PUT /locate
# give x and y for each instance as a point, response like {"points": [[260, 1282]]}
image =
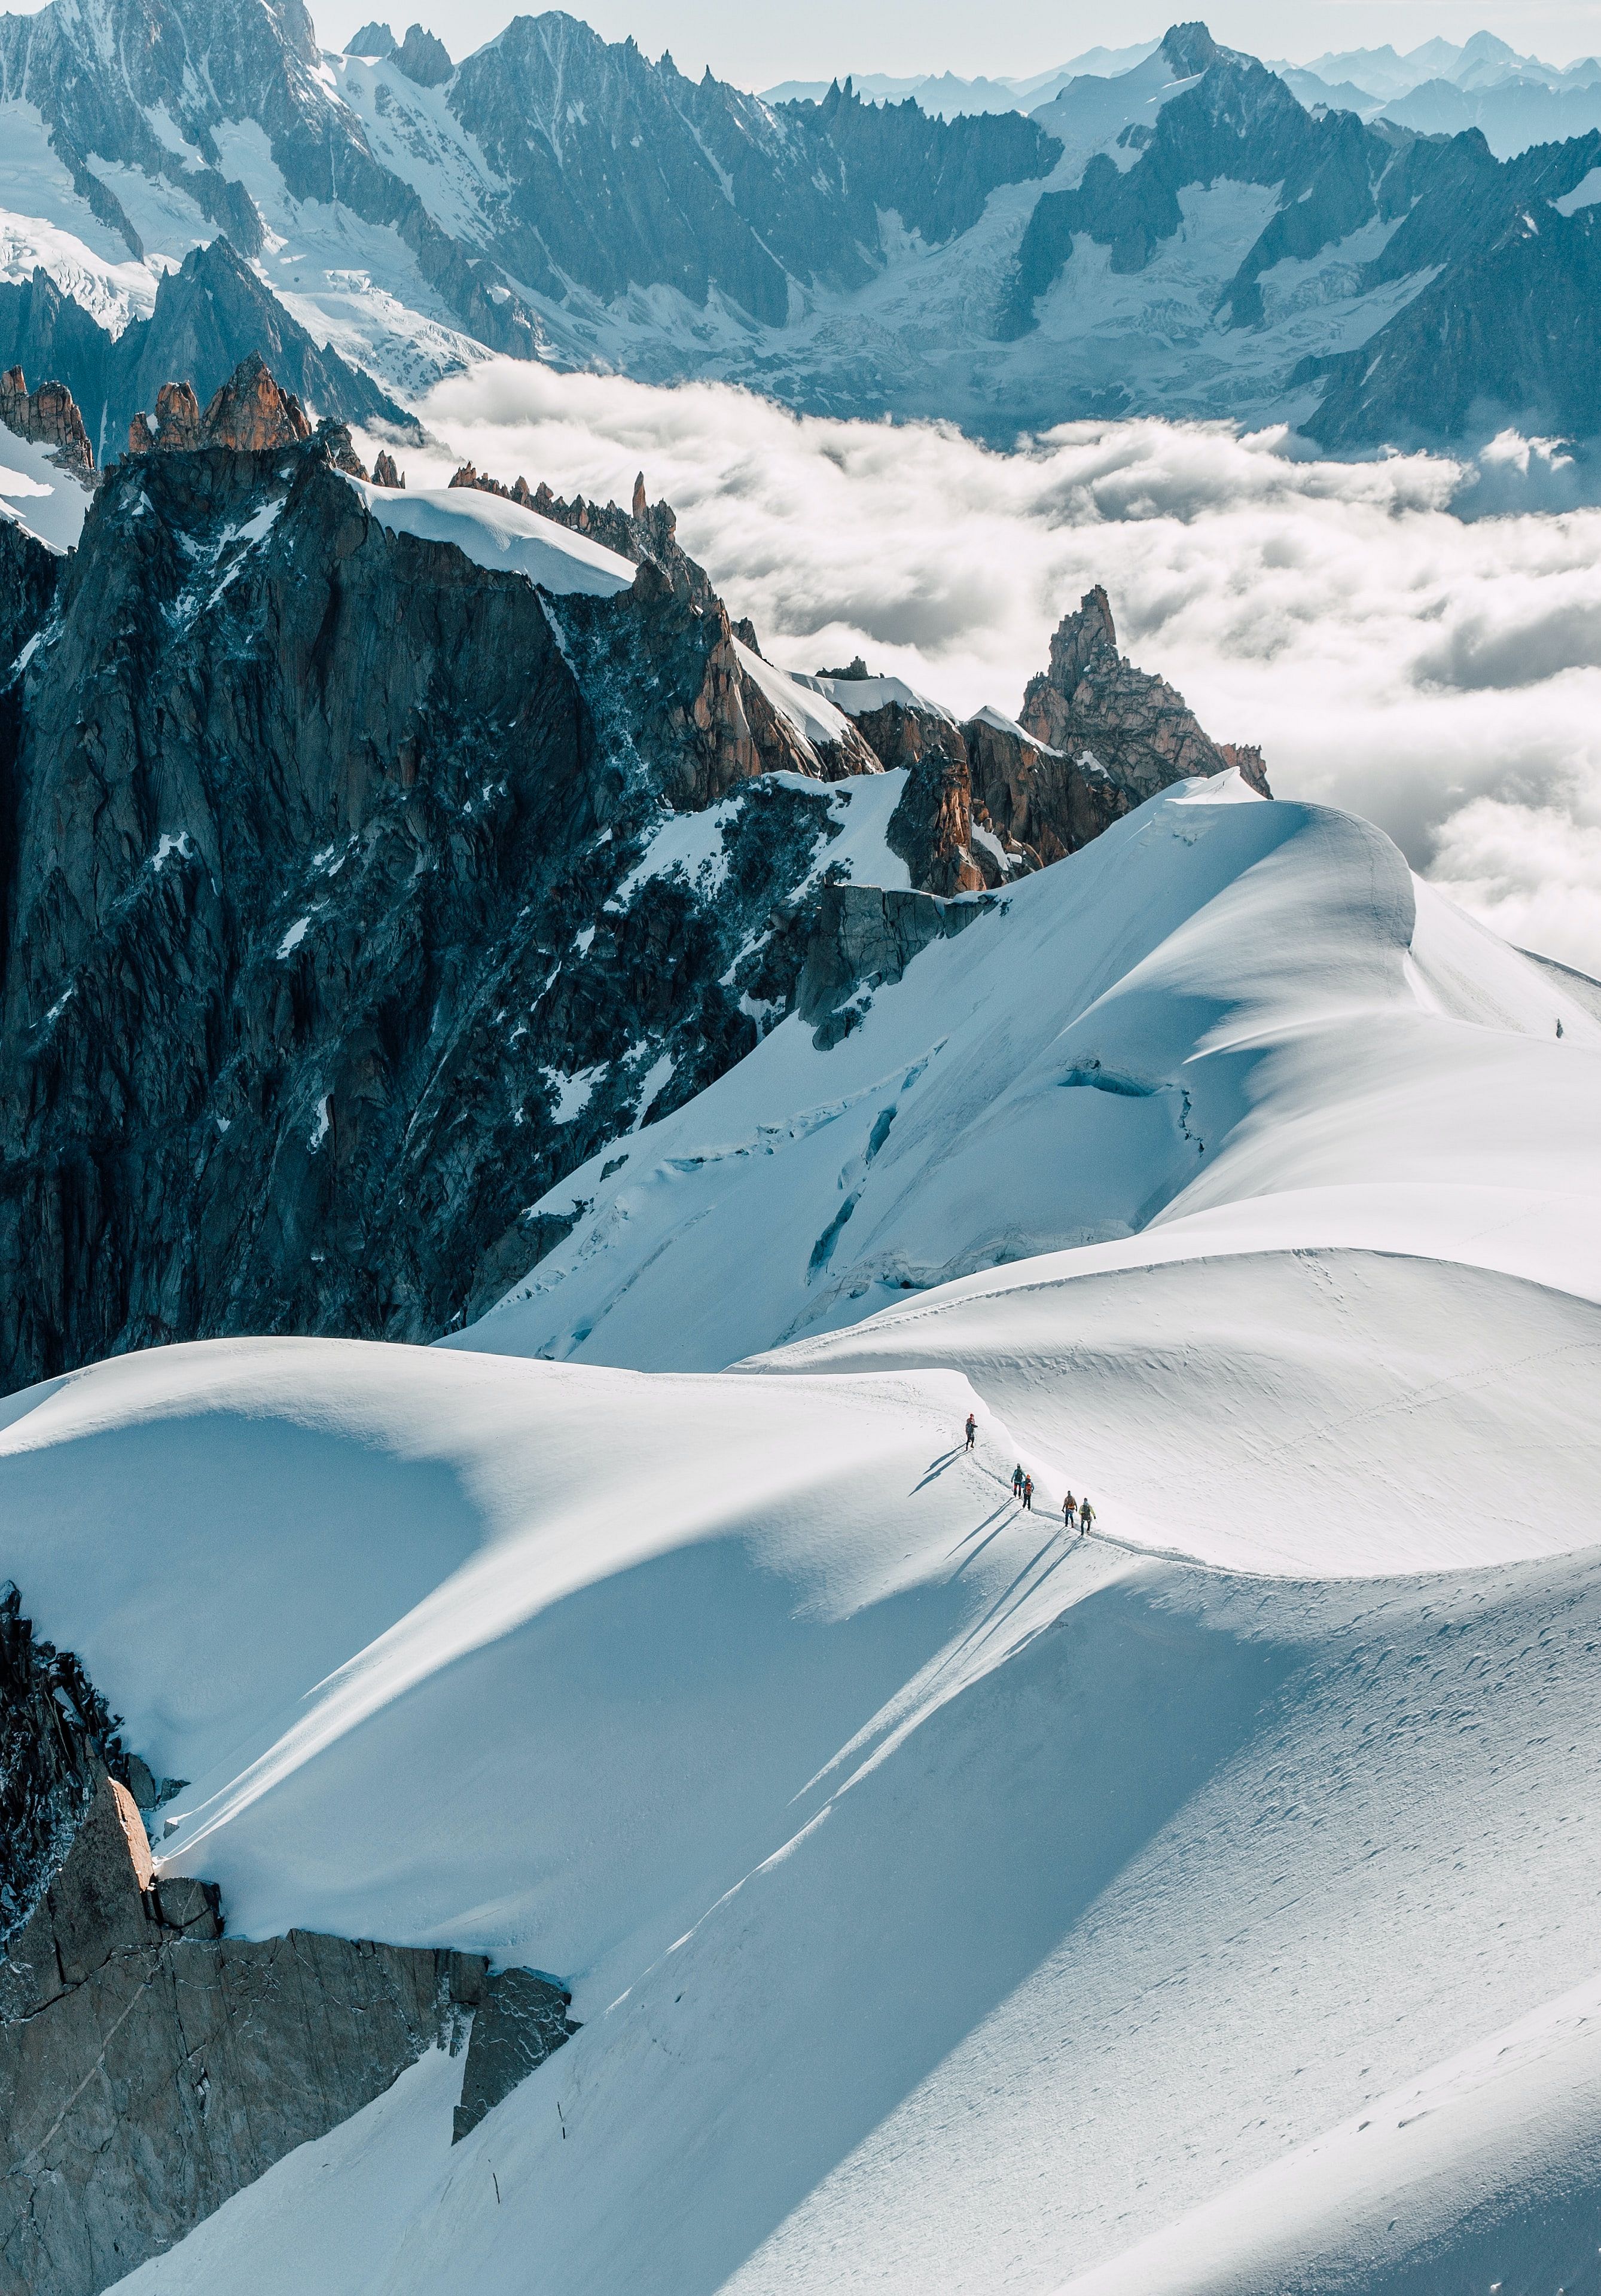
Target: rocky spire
{"points": [[1080, 637], [175, 425], [423, 58], [640, 505], [49, 417], [1093, 705], [250, 413]]}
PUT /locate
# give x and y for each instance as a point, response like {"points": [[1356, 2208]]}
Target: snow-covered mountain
{"points": [[948, 94], [972, 1661], [1209, 1895], [1476, 64], [420, 840], [1182, 237]]}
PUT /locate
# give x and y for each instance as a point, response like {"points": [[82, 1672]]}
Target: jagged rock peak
{"points": [[248, 412], [1095, 707], [373, 40], [423, 58], [385, 473], [1080, 636], [333, 439], [49, 417], [1190, 48], [648, 533]]}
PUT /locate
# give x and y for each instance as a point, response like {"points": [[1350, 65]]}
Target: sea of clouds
{"points": [[1416, 638]]}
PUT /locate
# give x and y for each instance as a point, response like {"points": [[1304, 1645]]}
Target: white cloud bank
{"points": [[1437, 670]]}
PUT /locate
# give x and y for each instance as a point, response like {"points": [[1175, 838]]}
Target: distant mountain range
{"points": [[183, 182], [1438, 89]]}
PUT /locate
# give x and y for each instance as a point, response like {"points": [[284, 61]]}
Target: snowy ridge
{"points": [[1246, 1030], [501, 536], [1229, 1178], [857, 697], [801, 701]]}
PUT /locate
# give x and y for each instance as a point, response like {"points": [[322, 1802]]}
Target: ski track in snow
{"points": [[948, 1901]]}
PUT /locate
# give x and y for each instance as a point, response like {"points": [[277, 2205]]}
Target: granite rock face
{"points": [[519, 2020], [323, 953], [248, 414], [1111, 725], [151, 2066], [49, 417], [28, 572], [863, 937], [57, 1739]]}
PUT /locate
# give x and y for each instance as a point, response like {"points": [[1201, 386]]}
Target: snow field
{"points": [[1225, 1026], [1052, 1893], [948, 1903]]}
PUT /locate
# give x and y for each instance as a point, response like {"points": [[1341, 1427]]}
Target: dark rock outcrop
{"points": [[862, 937], [520, 2020], [57, 1739], [1101, 716], [151, 2066], [28, 572], [322, 956], [49, 417]]}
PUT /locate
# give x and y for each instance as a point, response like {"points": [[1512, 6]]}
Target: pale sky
{"points": [[756, 44]]}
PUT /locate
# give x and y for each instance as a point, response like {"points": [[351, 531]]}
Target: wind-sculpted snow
{"points": [[900, 1845], [1227, 1025], [502, 537], [735, 1701]]}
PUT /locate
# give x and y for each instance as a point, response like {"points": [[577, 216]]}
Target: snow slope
{"points": [[39, 493], [1227, 1026], [1051, 1894], [803, 701], [949, 1903]]}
